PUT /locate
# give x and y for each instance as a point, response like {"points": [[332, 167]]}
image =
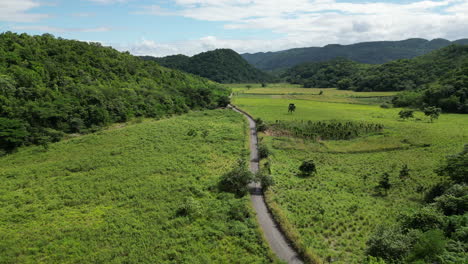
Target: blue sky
{"points": [[163, 27]]}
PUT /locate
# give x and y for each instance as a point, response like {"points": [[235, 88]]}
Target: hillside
{"points": [[436, 79], [323, 74], [136, 193], [51, 86], [221, 65], [367, 52]]}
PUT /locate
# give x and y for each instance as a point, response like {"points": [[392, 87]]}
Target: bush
{"points": [[237, 180], [261, 126], [424, 219], [308, 168], [389, 243], [428, 246], [432, 112], [456, 167], [405, 114], [265, 179], [454, 201], [385, 106], [263, 151]]}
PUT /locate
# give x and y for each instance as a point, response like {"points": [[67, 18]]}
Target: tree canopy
{"points": [[50, 86]]}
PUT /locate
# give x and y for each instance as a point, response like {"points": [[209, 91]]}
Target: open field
{"points": [[295, 92], [140, 193], [334, 212]]}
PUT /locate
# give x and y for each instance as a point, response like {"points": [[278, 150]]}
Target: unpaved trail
{"points": [[271, 230]]}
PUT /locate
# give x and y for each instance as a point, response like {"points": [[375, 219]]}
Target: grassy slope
{"points": [[336, 211], [113, 197]]}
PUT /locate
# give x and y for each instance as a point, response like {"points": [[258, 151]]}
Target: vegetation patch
{"points": [[325, 130]]}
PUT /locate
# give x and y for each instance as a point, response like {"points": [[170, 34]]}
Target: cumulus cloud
{"points": [[314, 23], [61, 30], [18, 11]]}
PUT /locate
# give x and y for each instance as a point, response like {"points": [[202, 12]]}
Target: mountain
{"points": [[221, 65], [439, 78], [51, 86], [366, 52], [324, 74]]}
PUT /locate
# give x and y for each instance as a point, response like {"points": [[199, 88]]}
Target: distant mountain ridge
{"points": [[377, 52], [221, 65]]}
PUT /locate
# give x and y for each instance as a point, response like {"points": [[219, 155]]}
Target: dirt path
{"points": [[273, 234]]}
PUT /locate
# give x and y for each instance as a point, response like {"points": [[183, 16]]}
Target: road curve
{"points": [[271, 230]]}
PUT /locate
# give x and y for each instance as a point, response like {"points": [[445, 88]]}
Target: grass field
{"points": [[295, 92], [334, 212], [140, 193]]}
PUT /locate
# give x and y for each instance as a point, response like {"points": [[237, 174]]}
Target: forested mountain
{"points": [[323, 74], [50, 86], [367, 52], [221, 65]]}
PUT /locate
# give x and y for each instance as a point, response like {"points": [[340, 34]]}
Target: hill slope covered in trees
{"points": [[51, 86], [221, 65], [366, 52]]}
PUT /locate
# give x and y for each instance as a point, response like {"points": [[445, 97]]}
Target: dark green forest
{"points": [[221, 65], [439, 78], [376, 52], [51, 86], [323, 74]]}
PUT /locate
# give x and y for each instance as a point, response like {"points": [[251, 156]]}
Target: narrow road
{"points": [[273, 234]]}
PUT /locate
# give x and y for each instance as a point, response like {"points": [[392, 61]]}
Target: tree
{"points": [[384, 183], [432, 112], [291, 108], [389, 243], [456, 167], [261, 126], [263, 151], [237, 180], [404, 172], [264, 85], [307, 168], [265, 179], [13, 133], [405, 114]]}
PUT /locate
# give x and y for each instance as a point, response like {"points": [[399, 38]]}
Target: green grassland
{"points": [[136, 193], [334, 212], [292, 91]]}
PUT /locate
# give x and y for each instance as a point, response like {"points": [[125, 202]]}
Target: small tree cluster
{"points": [[307, 168], [237, 180], [406, 114]]}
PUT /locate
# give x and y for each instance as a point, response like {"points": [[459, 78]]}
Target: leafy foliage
{"points": [[53, 84], [308, 168], [323, 74], [237, 180], [326, 130], [221, 65]]}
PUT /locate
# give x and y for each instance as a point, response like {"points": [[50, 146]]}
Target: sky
{"points": [[165, 27]]}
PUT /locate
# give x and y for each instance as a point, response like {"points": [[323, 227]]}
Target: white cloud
{"points": [[17, 11], [108, 1], [61, 30], [314, 23]]}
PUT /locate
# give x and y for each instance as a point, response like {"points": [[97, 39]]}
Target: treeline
{"points": [[435, 79], [50, 86], [221, 65], [436, 233], [323, 74]]}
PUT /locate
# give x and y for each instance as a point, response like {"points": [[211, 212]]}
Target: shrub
{"points": [[404, 172], [261, 126], [428, 246], [454, 201], [389, 243], [264, 85], [405, 114], [424, 219], [456, 167], [432, 112], [265, 179], [192, 133], [385, 106], [384, 183], [308, 168], [237, 180], [263, 151]]}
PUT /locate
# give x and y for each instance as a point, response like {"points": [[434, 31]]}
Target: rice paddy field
{"points": [[135, 193], [334, 212]]}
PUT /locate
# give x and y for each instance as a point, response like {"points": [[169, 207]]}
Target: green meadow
{"points": [[141, 192], [333, 213]]}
